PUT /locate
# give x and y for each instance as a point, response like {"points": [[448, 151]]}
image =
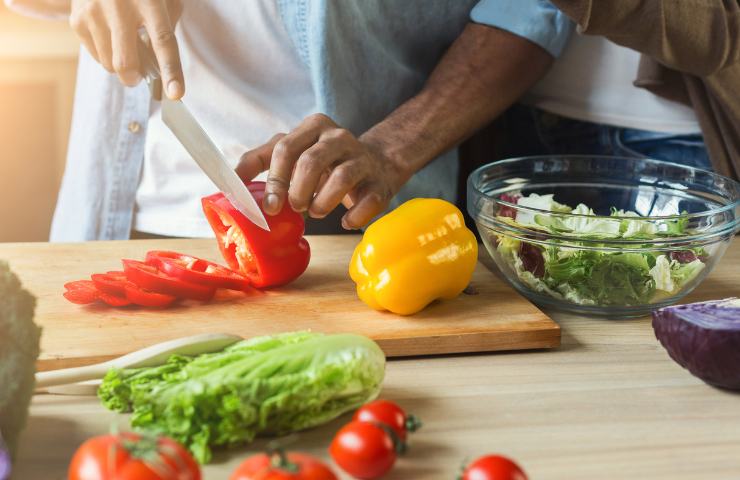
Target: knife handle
{"points": [[148, 66]]}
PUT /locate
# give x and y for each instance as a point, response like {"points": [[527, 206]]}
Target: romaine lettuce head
{"points": [[266, 385]]}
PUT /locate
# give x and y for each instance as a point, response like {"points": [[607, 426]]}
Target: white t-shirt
{"points": [[244, 82], [592, 81]]}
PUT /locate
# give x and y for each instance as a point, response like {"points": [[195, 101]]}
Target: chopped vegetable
{"points": [[570, 270], [282, 466], [196, 270], [493, 467], [267, 259], [129, 456], [265, 385], [703, 337], [152, 279], [420, 252], [19, 349], [365, 450]]}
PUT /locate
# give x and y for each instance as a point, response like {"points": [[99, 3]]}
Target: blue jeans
{"points": [[535, 132]]}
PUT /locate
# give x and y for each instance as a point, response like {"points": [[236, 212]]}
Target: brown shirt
{"points": [[691, 53]]}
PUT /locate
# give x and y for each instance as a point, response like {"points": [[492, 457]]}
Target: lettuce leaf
{"points": [[265, 385], [601, 277]]}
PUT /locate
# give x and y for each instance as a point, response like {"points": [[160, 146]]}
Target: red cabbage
{"points": [[4, 460], [704, 338]]}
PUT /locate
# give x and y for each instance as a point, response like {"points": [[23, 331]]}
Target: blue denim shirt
{"points": [[365, 58]]}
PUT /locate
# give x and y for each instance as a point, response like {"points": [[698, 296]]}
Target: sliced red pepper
{"points": [[112, 283], [267, 259], [81, 292], [151, 278], [85, 292], [141, 297], [196, 270], [113, 300]]}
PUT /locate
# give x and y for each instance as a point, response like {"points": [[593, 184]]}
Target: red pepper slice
{"points": [[81, 292], [196, 270], [85, 292], [141, 297], [112, 283], [267, 259], [150, 278]]}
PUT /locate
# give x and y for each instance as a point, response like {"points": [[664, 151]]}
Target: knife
{"points": [[199, 145]]}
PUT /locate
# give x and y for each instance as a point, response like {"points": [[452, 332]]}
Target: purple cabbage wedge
{"points": [[4, 460], [704, 338]]}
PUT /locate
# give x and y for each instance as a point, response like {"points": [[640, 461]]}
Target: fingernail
{"points": [[271, 203], [346, 225], [174, 89]]}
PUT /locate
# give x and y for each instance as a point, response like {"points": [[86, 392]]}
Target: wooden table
{"points": [[608, 404]]}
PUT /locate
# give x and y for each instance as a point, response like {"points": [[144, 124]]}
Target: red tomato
{"points": [[141, 297], [128, 456], [81, 292], [364, 450], [279, 466], [390, 414], [267, 259], [196, 270], [150, 278], [493, 467]]}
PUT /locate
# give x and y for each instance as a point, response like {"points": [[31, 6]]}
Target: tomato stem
{"points": [[398, 445], [279, 459], [413, 423]]}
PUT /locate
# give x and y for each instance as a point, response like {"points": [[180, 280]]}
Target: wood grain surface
{"points": [[609, 404], [323, 299]]}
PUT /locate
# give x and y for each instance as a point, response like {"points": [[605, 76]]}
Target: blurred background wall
{"points": [[38, 61]]}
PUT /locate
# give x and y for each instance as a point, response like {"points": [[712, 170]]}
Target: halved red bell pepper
{"points": [[196, 270], [267, 259]]}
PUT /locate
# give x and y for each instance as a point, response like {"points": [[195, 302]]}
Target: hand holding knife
{"points": [[198, 144]]}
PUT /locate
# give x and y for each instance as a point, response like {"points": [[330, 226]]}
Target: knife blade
{"points": [[196, 141], [210, 159]]}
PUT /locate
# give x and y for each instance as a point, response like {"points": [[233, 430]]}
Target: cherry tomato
{"points": [[150, 278], [388, 413], [196, 270], [493, 467], [364, 450], [128, 456], [280, 466]]}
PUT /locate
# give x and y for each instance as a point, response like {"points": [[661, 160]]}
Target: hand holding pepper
{"points": [[319, 165]]}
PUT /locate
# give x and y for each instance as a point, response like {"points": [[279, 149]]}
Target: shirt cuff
{"points": [[538, 21]]}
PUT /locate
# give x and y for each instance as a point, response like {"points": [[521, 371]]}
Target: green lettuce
{"points": [[266, 385], [590, 276]]}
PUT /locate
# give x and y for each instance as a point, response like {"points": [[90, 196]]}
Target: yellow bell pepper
{"points": [[419, 252]]}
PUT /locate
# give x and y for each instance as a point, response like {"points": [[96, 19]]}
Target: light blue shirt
{"points": [[365, 58]]}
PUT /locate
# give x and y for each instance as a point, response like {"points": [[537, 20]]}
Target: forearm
{"points": [[483, 73], [40, 8]]}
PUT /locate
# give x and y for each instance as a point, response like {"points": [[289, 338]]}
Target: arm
{"points": [[51, 9], [698, 37], [483, 72]]}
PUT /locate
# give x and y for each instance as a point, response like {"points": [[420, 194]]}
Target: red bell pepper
{"points": [[267, 259]]}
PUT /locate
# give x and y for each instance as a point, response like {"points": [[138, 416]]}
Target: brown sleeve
{"points": [[699, 37]]}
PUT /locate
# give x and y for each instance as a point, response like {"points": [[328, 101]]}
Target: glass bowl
{"points": [[602, 235]]}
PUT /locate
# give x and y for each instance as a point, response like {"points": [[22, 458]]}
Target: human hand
{"points": [[109, 30], [319, 165]]}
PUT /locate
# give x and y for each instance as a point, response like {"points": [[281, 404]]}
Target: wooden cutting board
{"points": [[323, 299]]}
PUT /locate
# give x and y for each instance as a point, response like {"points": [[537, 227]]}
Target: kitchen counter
{"points": [[608, 404]]}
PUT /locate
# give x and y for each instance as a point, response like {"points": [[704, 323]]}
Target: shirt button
{"points": [[134, 127]]}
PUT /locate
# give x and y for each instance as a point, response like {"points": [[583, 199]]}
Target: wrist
{"points": [[400, 151]]}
